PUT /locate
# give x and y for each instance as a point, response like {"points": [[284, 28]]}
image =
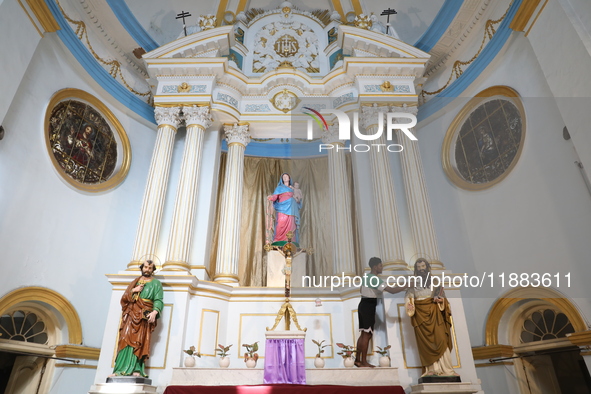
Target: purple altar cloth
{"points": [[285, 361]]}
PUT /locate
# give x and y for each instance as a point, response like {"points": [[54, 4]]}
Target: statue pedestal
{"points": [[122, 388], [276, 263], [445, 388], [182, 376]]}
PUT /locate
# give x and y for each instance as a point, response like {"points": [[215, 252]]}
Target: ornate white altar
{"points": [[242, 81]]}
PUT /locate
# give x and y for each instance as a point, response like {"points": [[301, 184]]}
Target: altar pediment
{"points": [[366, 43], [208, 43], [271, 63]]}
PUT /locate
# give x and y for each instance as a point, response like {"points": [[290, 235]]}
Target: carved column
{"points": [[146, 239], [197, 120], [226, 270], [419, 208], [388, 225], [340, 204]]}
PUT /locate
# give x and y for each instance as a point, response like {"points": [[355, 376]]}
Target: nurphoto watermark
{"points": [[345, 129]]}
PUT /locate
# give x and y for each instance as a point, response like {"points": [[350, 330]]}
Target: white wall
{"points": [[18, 40], [50, 234], [536, 220], [561, 42]]}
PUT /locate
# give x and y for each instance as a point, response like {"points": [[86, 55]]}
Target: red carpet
{"points": [[283, 389]]}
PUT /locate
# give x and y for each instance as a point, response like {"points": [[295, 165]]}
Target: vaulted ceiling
{"points": [[157, 17]]}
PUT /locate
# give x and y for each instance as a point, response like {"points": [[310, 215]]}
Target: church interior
{"points": [[260, 153]]}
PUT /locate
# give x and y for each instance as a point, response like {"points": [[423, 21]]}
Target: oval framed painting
{"points": [[483, 143], [86, 143]]}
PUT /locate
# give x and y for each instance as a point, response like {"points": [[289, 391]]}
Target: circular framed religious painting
{"points": [[86, 143], [485, 140]]}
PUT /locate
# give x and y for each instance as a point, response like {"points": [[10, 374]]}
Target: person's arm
{"points": [[394, 289]]}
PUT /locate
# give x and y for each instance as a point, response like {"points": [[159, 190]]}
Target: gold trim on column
{"points": [[448, 146], [43, 15], [545, 294], [50, 297], [186, 266], [125, 151], [338, 7], [523, 15], [397, 264], [200, 126], [536, 18], [167, 125], [219, 16], [31, 19], [357, 7], [71, 351], [241, 6], [494, 351], [228, 276]]}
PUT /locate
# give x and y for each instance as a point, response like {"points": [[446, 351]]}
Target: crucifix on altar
{"points": [[284, 354], [289, 251]]}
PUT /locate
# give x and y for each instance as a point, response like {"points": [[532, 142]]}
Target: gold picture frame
{"points": [[120, 168], [452, 134]]}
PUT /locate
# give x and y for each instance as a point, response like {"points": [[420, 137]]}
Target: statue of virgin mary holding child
{"points": [[287, 202]]}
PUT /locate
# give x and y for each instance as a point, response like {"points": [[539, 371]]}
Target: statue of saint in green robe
{"points": [[142, 305]]}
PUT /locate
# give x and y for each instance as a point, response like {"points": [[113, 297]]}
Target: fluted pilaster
{"points": [[419, 208], [197, 120], [146, 240], [340, 204], [226, 270], [388, 224]]}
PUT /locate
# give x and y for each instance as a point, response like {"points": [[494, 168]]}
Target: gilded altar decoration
{"points": [[387, 87], [286, 46], [86, 142], [207, 22], [183, 88], [285, 100], [286, 43], [363, 21]]}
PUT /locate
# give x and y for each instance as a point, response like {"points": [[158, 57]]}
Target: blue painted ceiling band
{"points": [[489, 52], [438, 27], [131, 24], [426, 42], [95, 70]]}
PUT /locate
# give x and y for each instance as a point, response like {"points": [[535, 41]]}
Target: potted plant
{"points": [[385, 359], [347, 352], [190, 359], [223, 353], [319, 361], [251, 357]]}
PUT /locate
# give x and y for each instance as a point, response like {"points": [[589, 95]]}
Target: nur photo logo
{"points": [[344, 124]]}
